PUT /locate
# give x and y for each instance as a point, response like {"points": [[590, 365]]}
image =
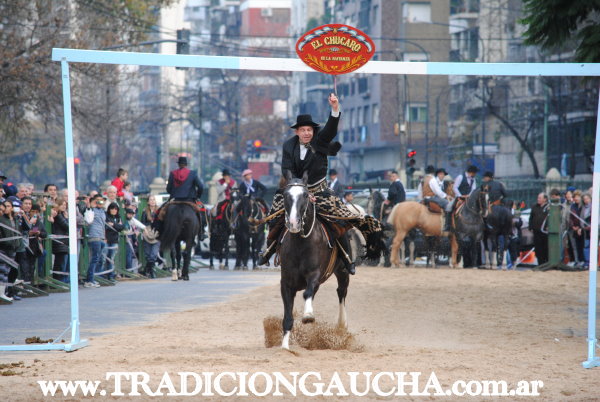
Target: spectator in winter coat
{"points": [[114, 226], [96, 219], [537, 223], [60, 241]]}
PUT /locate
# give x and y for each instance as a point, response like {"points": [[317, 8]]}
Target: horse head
{"points": [[295, 202], [483, 202]]}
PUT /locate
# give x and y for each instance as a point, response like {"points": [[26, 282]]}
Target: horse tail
{"points": [[173, 221]]}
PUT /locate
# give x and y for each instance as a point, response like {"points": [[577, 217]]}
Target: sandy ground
{"points": [[461, 324]]}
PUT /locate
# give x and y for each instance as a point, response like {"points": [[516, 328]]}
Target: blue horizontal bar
{"points": [[235, 62], [69, 347], [515, 69], [144, 59]]}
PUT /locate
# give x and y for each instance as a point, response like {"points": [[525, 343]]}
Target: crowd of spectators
{"points": [[575, 223], [26, 214]]}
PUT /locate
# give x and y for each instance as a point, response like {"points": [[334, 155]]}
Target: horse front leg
{"points": [[287, 295], [187, 257], [342, 290], [501, 251], [312, 286]]}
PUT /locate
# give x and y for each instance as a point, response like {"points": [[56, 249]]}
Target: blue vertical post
{"points": [[593, 360], [76, 342]]}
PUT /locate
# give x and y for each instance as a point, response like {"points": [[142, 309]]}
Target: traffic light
{"points": [[410, 167], [410, 153], [183, 41], [257, 144], [249, 148]]}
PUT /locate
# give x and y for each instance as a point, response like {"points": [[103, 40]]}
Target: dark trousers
{"points": [[61, 264], [540, 242], [26, 263]]}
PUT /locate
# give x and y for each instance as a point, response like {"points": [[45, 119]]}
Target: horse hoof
{"points": [[185, 277], [307, 319]]}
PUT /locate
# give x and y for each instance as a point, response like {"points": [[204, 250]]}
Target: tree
{"points": [[30, 84], [563, 24]]}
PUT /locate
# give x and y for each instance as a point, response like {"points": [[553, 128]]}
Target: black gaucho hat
{"points": [[182, 160], [304, 120]]}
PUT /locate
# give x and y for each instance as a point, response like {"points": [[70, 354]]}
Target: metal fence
{"points": [[528, 189]]}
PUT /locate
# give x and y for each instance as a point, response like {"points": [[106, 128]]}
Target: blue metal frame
{"points": [[281, 64]]}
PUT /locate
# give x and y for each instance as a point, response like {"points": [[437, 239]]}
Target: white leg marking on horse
{"points": [[308, 311], [342, 319], [493, 261], [285, 344], [174, 275]]}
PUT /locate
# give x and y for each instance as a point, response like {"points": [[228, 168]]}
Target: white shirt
{"points": [[333, 183], [304, 150], [436, 186]]}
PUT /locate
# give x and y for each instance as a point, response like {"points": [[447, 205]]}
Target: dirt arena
{"points": [[461, 324]]}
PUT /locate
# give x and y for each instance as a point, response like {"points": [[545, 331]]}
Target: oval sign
{"points": [[335, 49]]}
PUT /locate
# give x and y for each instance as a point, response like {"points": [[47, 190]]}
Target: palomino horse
{"points": [[307, 257], [181, 224], [468, 224]]}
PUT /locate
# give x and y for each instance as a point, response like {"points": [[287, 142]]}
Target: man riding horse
{"points": [[184, 186], [307, 152], [433, 190], [494, 188]]}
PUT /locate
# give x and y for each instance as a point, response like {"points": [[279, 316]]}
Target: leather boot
{"points": [[272, 238], [447, 221], [264, 257], [345, 249]]}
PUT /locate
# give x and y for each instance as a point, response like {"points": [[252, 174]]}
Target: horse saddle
{"points": [[198, 207], [432, 206]]}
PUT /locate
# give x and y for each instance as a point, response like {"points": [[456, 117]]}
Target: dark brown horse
{"points": [[307, 257]]}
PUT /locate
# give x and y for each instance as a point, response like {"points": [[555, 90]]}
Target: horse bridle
{"points": [[304, 236]]}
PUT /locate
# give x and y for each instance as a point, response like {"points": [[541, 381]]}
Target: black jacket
{"points": [[396, 193], [190, 190], [315, 162], [10, 246], [537, 218], [60, 227], [112, 232], [259, 189]]}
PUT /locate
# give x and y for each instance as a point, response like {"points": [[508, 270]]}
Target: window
{"points": [[367, 114], [359, 116], [416, 112], [375, 113], [416, 12]]}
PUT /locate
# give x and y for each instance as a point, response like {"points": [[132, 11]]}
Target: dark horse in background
{"points": [[220, 230], [176, 253], [377, 209], [498, 229], [249, 239], [181, 223], [307, 260], [468, 225]]}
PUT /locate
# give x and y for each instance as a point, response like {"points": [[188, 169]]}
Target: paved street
{"points": [[127, 303]]}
